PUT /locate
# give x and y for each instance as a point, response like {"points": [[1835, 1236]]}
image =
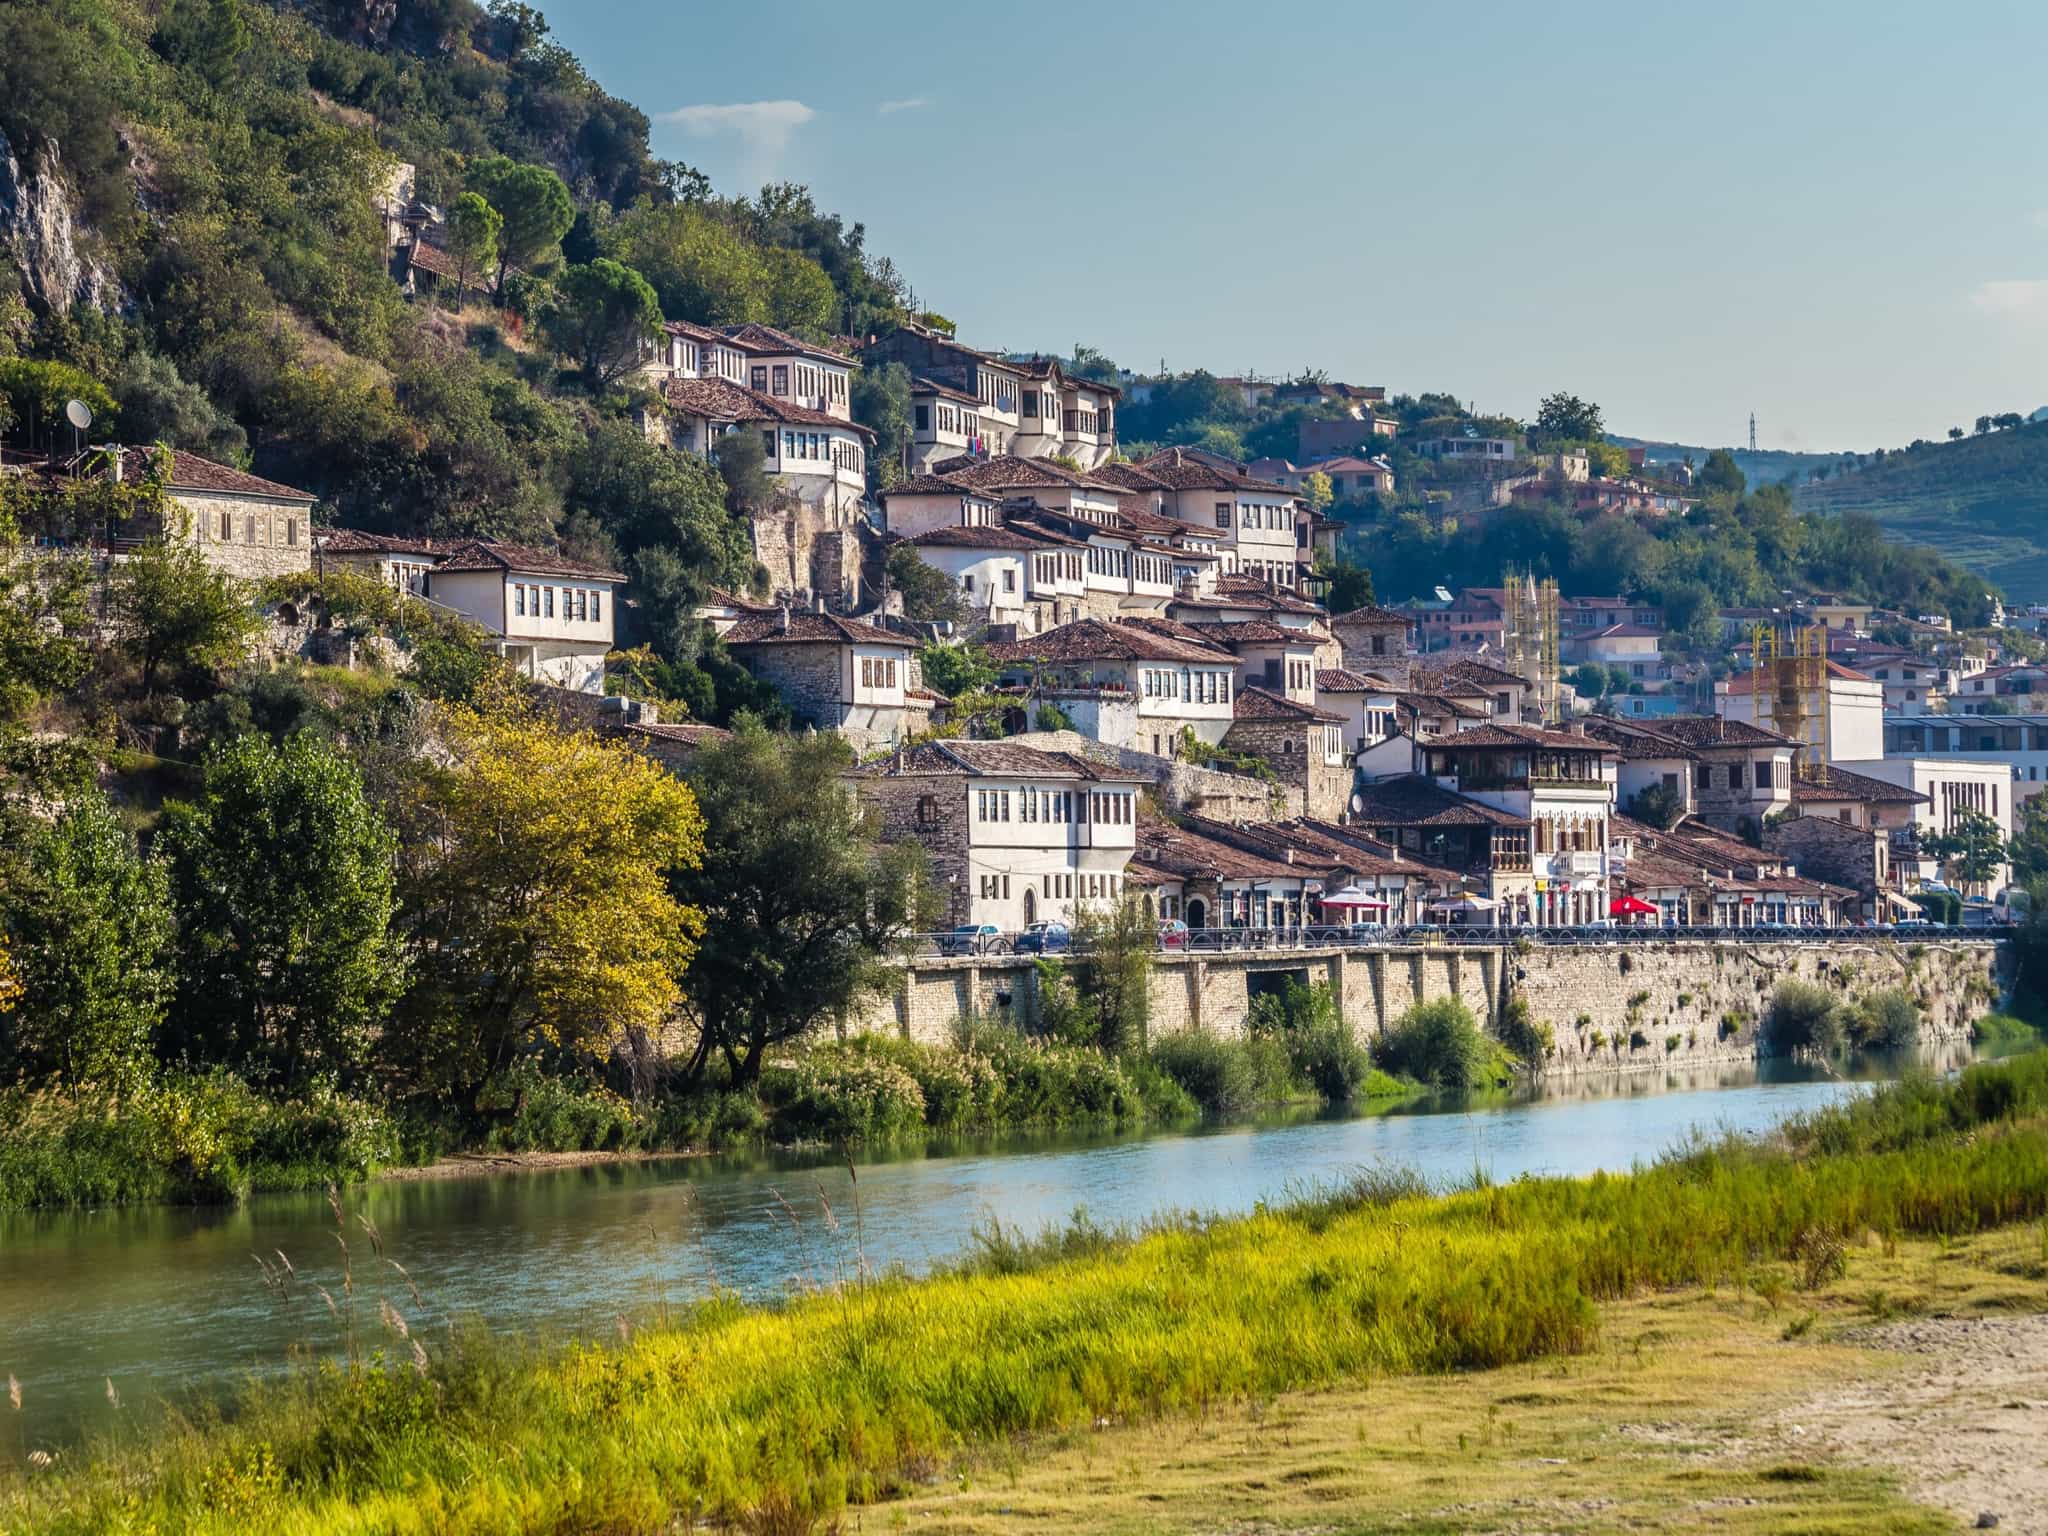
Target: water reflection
{"points": [[170, 1301]]}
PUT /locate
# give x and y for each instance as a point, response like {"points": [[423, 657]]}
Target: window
{"points": [[291, 532], [519, 600], [597, 607], [249, 529], [1009, 580], [758, 378], [889, 673], [1763, 773], [789, 445], [1030, 402], [967, 582], [768, 444], [1702, 777], [928, 811], [227, 527], [582, 606], [548, 600], [1222, 514]]}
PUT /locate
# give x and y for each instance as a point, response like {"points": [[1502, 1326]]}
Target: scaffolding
{"points": [[1790, 671], [1529, 637]]}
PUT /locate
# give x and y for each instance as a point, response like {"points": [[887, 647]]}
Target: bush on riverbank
{"points": [[1883, 1021], [795, 1411], [1441, 1044], [183, 1139], [2003, 1030], [1803, 1016], [1296, 1048]]}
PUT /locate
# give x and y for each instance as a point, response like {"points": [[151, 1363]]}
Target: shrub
{"points": [[539, 1113], [1883, 1021], [1227, 1077], [1730, 1025], [1803, 1016], [1440, 1044], [1672, 1043], [2002, 1029], [1531, 1041], [849, 1092], [1321, 1051]]}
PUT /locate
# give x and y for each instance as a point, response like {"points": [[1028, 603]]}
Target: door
{"points": [[1030, 906], [1198, 913]]}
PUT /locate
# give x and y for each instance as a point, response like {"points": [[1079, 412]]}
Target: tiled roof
{"points": [[1184, 472], [689, 332], [1639, 746], [689, 732], [995, 536], [723, 400], [991, 759], [924, 386], [1337, 680], [1496, 736], [766, 338], [1448, 676], [1130, 476], [355, 541], [933, 485], [1097, 640], [429, 257], [1841, 784], [1002, 470], [1624, 632], [1713, 731], [1255, 632], [189, 472], [1413, 801], [1258, 706], [811, 629], [1746, 682], [1371, 613], [1439, 704], [521, 560], [1189, 855]]}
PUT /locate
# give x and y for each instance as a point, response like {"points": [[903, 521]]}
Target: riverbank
{"points": [[868, 1388]]}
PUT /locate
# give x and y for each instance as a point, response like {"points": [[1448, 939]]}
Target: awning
{"points": [[1630, 906], [1898, 902], [1466, 903]]}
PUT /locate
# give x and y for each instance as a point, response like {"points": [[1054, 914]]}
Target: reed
{"points": [[851, 1392]]}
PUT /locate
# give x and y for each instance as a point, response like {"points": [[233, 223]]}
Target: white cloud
{"points": [[2020, 297], [903, 104], [763, 128]]}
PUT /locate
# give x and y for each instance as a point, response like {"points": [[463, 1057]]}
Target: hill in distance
{"points": [[1982, 501], [1764, 466]]}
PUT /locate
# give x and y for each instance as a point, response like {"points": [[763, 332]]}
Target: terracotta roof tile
{"points": [[992, 759], [1841, 784], [1259, 705], [723, 400], [1413, 801], [190, 472], [811, 629], [766, 338], [1098, 640], [520, 559]]}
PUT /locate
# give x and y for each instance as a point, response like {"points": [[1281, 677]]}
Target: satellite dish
{"points": [[78, 413]]}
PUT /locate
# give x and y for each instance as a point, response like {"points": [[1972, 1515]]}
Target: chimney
{"points": [[817, 602], [782, 620], [115, 465]]}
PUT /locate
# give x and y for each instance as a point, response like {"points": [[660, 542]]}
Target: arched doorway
{"points": [[1198, 913], [1030, 906], [1148, 909]]}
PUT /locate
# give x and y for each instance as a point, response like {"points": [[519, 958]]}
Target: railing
{"points": [[1436, 935]]}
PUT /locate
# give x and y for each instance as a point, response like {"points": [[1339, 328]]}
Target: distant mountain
{"points": [[1982, 501], [1762, 467]]}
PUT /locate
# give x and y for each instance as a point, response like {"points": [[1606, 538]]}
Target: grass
{"points": [[783, 1416]]}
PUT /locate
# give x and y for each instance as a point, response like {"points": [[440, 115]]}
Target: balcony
{"points": [[1574, 866]]}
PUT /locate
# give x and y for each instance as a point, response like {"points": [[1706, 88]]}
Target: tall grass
{"points": [[847, 1396]]}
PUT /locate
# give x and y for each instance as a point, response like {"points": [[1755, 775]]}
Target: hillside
{"points": [[1981, 501], [1762, 466]]}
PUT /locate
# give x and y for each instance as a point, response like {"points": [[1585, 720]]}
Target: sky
{"points": [[1825, 212]]}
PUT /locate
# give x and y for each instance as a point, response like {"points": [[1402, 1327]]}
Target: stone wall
{"points": [[1186, 786], [809, 678], [1610, 1008], [1295, 753], [1823, 849], [1641, 1005]]}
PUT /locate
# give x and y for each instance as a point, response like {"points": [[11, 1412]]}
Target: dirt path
{"points": [[1965, 1425]]}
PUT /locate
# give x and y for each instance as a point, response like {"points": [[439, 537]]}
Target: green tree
{"points": [[956, 669], [474, 228], [2029, 849], [36, 392], [1590, 680], [928, 592], [1350, 586], [1114, 972], [799, 907], [1607, 460], [603, 315], [534, 205], [881, 402], [203, 35], [286, 890], [173, 609], [1657, 805], [1972, 849], [1315, 490], [154, 404], [91, 929], [1565, 418], [1720, 474]]}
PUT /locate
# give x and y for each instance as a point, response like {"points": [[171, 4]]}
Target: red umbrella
{"points": [[1630, 906]]}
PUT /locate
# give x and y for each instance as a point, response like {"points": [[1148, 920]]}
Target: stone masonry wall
{"points": [[1594, 1006], [1187, 786]]}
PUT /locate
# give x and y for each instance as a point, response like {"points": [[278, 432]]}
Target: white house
{"points": [[553, 617], [1952, 787], [1015, 835], [2017, 743], [1066, 415], [835, 674], [993, 569], [1251, 520], [817, 456], [1125, 685]]}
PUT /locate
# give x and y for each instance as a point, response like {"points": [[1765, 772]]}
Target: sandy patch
{"points": [[1964, 1425], [470, 1165]]}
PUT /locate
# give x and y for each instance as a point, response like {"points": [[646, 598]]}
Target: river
{"points": [[169, 1302]]}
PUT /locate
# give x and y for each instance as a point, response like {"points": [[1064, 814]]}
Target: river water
{"points": [[169, 1302]]}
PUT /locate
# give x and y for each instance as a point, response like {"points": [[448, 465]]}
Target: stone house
{"points": [[1302, 743], [1844, 854], [1374, 640], [392, 560], [1729, 773], [836, 674], [1014, 835], [1209, 882]]}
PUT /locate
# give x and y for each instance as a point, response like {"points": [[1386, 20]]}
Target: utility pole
{"points": [[1752, 431]]}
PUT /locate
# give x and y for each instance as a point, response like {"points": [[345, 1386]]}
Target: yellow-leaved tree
{"points": [[10, 984], [537, 890]]}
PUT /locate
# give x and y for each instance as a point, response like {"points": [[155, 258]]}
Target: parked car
{"points": [[1044, 938], [1173, 934], [974, 939]]}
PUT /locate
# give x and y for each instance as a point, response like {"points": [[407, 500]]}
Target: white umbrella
{"points": [[1354, 896]]}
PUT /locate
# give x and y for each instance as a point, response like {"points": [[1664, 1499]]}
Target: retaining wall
{"points": [[1615, 1007]]}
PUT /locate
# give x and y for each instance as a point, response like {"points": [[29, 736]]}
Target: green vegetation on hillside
{"points": [[1981, 500], [860, 1392]]}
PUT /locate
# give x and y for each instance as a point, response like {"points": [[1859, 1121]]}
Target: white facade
{"points": [[1850, 728], [1046, 848], [2016, 743], [554, 628], [1952, 787]]}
